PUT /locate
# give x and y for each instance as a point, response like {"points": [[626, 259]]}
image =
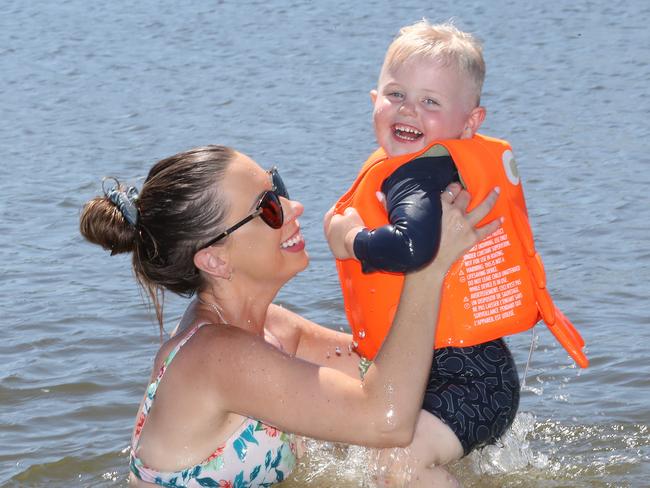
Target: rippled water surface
{"points": [[97, 88]]}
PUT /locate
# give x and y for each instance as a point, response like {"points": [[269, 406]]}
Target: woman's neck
{"points": [[237, 306]]}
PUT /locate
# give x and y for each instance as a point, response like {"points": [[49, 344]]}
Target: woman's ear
{"points": [[213, 262]]}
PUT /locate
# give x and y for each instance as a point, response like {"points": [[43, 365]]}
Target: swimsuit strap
{"points": [[153, 387]]}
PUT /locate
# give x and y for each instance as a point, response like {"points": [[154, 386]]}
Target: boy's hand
{"points": [[340, 231]]}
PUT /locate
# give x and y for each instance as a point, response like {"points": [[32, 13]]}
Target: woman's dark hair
{"points": [[179, 209]]}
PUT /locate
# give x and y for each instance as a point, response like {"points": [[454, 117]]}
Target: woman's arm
{"points": [[257, 380], [312, 342]]}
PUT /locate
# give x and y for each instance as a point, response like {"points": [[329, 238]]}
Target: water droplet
{"points": [[390, 415], [362, 334], [337, 351], [355, 344], [328, 355]]}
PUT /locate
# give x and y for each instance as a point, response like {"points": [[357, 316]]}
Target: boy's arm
{"points": [[411, 238]]}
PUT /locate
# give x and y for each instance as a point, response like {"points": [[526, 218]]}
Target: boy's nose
{"points": [[407, 107]]}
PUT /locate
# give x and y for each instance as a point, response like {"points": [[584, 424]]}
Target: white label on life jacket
{"points": [[510, 166]]}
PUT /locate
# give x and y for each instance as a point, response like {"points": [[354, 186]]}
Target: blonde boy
{"points": [[429, 89]]}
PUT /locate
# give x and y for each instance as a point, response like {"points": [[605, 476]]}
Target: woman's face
{"points": [[256, 250]]}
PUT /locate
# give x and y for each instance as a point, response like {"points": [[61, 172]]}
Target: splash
{"points": [[390, 467], [532, 453], [351, 466], [340, 464], [513, 451]]}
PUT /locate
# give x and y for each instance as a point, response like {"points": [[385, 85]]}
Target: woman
{"points": [[225, 389]]}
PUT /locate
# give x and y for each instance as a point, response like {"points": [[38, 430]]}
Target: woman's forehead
{"points": [[246, 179], [245, 168]]}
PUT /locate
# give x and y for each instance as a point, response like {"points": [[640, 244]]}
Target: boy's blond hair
{"points": [[440, 42]]}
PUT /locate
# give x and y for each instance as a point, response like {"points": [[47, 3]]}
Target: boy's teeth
{"points": [[292, 242], [407, 133], [408, 129]]}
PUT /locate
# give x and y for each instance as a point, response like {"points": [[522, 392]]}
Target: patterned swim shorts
{"points": [[475, 391]]}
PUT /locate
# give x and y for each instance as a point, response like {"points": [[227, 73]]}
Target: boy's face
{"points": [[421, 101]]}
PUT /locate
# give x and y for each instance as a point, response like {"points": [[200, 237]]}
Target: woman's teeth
{"points": [[293, 241], [406, 133]]}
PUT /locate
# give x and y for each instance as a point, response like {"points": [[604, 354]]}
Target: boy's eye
{"points": [[431, 102], [397, 95]]}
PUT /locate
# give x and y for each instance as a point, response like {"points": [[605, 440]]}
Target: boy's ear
{"points": [[211, 262], [474, 122], [373, 96]]}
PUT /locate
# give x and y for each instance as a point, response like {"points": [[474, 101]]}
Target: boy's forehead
{"points": [[436, 75], [420, 64]]}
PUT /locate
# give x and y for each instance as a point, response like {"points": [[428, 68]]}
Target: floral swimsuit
{"points": [[255, 455]]}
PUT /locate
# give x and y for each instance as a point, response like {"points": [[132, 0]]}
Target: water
{"points": [[97, 88]]}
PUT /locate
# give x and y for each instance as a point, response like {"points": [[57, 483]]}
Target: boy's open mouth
{"points": [[406, 133]]}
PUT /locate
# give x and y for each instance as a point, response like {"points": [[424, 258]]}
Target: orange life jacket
{"points": [[497, 288]]}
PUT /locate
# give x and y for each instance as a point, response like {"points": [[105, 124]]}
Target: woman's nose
{"points": [[292, 209]]}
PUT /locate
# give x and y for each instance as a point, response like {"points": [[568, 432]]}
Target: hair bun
{"points": [[104, 224]]}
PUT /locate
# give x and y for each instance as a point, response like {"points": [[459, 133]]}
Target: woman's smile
{"points": [[295, 243]]}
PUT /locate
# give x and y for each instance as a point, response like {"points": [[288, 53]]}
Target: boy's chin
{"points": [[395, 150]]}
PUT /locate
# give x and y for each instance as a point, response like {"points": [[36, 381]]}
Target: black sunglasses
{"points": [[268, 207]]}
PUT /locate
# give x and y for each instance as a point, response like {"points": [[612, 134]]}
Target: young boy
{"points": [[429, 90], [426, 116]]}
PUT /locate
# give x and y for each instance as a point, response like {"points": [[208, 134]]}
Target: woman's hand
{"points": [[459, 231]]}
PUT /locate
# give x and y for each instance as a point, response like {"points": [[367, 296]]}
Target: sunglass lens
{"points": [[272, 210], [278, 184]]}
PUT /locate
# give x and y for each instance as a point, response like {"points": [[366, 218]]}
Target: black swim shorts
{"points": [[475, 391]]}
